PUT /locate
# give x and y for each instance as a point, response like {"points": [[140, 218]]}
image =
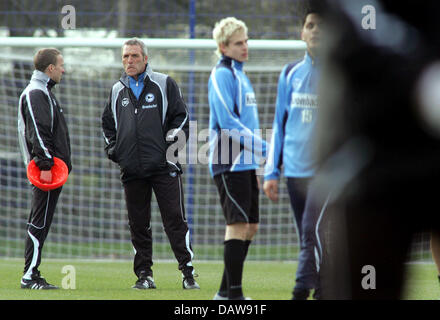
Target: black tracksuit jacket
{"points": [[42, 128], [137, 132]]}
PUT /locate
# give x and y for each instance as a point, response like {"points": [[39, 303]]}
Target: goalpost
{"points": [[91, 220]]}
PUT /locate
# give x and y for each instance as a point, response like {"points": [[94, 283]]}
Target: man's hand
{"points": [[270, 188], [46, 176]]}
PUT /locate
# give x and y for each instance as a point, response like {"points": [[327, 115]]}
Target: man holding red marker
{"points": [[43, 135]]}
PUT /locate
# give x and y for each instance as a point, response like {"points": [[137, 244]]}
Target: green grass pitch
{"points": [[112, 280]]}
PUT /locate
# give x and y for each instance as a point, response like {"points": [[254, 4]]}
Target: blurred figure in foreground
{"points": [[378, 139], [435, 251]]}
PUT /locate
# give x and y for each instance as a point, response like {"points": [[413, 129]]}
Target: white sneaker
{"points": [[217, 296]]}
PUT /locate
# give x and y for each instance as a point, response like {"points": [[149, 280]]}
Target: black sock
{"points": [[234, 255], [223, 291], [247, 243]]}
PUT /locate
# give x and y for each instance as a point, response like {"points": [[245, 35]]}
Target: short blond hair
{"points": [[224, 29]]}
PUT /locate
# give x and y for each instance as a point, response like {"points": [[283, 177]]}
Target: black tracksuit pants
{"points": [[42, 211], [169, 195]]}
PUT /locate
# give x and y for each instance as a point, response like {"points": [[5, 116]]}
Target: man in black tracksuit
{"points": [[43, 134], [144, 116]]}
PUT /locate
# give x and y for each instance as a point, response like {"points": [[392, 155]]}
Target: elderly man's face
{"points": [[133, 60]]}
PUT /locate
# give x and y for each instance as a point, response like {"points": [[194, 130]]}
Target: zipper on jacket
{"points": [[134, 101], [136, 105]]}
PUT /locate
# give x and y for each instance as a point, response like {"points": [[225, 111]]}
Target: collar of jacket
{"points": [[232, 62], [308, 58], [125, 78], [42, 77], [140, 77]]}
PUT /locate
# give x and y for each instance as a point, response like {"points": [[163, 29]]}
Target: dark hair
{"points": [[311, 7], [45, 57]]}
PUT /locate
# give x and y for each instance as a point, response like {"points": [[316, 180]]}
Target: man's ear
{"points": [[49, 68], [222, 47], [146, 59]]}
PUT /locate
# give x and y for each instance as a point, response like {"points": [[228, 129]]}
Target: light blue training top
{"points": [[294, 122], [235, 140]]}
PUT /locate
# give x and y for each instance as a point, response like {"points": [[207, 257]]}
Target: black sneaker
{"points": [[240, 298], [300, 294], [144, 282], [188, 279], [36, 283], [317, 294]]}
